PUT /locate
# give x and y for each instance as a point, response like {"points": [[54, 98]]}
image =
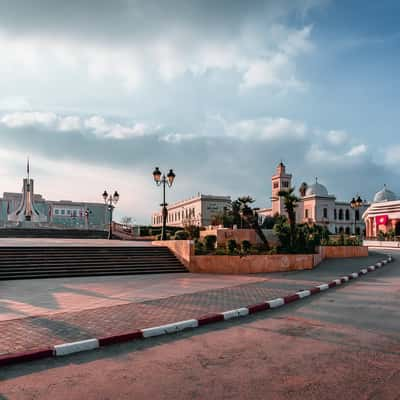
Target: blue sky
{"points": [[98, 93]]}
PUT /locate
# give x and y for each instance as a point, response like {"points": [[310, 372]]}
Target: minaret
{"points": [[280, 181]]}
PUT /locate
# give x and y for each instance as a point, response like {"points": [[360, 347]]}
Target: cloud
{"points": [[337, 137], [357, 150], [129, 51], [96, 125], [268, 129], [392, 155]]}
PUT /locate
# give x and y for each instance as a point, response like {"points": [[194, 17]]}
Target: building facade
{"points": [[316, 206], [199, 210], [383, 215], [27, 209]]}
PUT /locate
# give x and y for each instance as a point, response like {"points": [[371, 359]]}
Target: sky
{"points": [[97, 93]]}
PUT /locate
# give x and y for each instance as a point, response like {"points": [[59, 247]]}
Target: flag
{"points": [[381, 220]]}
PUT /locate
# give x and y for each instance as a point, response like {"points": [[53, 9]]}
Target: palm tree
{"points": [[250, 216], [290, 202]]}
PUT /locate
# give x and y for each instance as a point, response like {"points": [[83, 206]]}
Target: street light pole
{"points": [[110, 201], [161, 179], [355, 204]]}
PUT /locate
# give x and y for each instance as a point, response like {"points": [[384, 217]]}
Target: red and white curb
{"points": [[90, 344]]}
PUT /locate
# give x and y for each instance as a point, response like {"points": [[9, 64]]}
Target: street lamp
{"points": [[110, 201], [161, 179], [355, 204]]}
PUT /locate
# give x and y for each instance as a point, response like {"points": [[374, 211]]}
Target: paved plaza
{"points": [[40, 313], [340, 344]]}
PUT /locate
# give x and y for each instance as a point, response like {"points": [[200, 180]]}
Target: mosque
{"points": [[30, 210], [383, 215], [316, 206]]}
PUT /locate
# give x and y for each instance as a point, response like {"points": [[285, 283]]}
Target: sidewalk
{"points": [[26, 334]]}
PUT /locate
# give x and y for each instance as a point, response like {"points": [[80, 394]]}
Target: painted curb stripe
{"points": [[210, 319], [304, 293], [276, 303], [91, 344], [8, 359], [258, 307], [291, 298], [75, 347], [125, 337], [240, 312]]}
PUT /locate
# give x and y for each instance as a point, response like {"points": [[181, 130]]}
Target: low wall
{"points": [[382, 243], [343, 251], [183, 249], [251, 264]]}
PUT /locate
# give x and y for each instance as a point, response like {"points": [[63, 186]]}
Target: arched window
{"points": [[341, 214], [347, 231], [341, 229], [347, 215], [335, 214], [357, 215]]}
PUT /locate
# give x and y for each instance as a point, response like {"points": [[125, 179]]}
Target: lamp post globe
{"points": [[110, 201]]}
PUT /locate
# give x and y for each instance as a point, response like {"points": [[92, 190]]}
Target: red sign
{"points": [[381, 219]]}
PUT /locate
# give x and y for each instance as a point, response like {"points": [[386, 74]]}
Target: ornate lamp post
{"points": [[355, 204], [161, 179], [110, 201]]}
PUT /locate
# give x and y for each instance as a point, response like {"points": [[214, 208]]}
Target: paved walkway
{"points": [[41, 331]]}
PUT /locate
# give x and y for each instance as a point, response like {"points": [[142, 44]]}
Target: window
{"points": [[357, 215], [341, 214], [347, 231], [276, 185], [62, 212], [325, 213], [306, 213], [335, 213], [285, 184], [57, 211], [347, 215]]}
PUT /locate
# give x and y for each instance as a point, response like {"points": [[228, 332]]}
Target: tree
{"points": [[290, 202], [126, 220], [250, 216]]}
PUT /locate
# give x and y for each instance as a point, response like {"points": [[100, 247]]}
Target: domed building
{"points": [[384, 214], [316, 205]]}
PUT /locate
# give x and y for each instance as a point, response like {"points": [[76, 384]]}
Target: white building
{"points": [[316, 206], [199, 210]]}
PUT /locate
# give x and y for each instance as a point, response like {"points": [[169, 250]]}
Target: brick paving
{"points": [[42, 331]]}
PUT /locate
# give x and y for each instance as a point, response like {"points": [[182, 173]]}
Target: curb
{"points": [[91, 344]]}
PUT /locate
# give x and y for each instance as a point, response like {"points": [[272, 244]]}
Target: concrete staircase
{"points": [[54, 262], [52, 233]]}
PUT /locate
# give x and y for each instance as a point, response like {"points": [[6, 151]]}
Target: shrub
{"points": [[193, 231], [158, 237], [273, 250], [246, 246], [231, 246], [181, 235], [220, 251], [210, 241], [198, 247]]}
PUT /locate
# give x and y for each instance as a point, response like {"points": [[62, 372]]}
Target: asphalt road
{"points": [[344, 343]]}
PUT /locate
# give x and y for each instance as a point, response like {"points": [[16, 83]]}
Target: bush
{"points": [[193, 231], [181, 235], [158, 237], [210, 241], [231, 246], [246, 246], [198, 248], [220, 251]]}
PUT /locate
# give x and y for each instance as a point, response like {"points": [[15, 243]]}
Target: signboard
{"points": [[381, 219]]}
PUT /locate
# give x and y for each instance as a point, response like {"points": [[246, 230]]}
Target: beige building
{"points": [[316, 206], [199, 210]]}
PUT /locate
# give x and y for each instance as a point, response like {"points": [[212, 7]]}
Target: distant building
{"points": [[383, 214], [316, 206], [199, 210], [27, 209]]}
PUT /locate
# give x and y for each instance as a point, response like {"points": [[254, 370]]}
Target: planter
{"points": [[251, 264]]}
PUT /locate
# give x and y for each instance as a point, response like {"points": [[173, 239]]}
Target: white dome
{"points": [[316, 189], [384, 195]]}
